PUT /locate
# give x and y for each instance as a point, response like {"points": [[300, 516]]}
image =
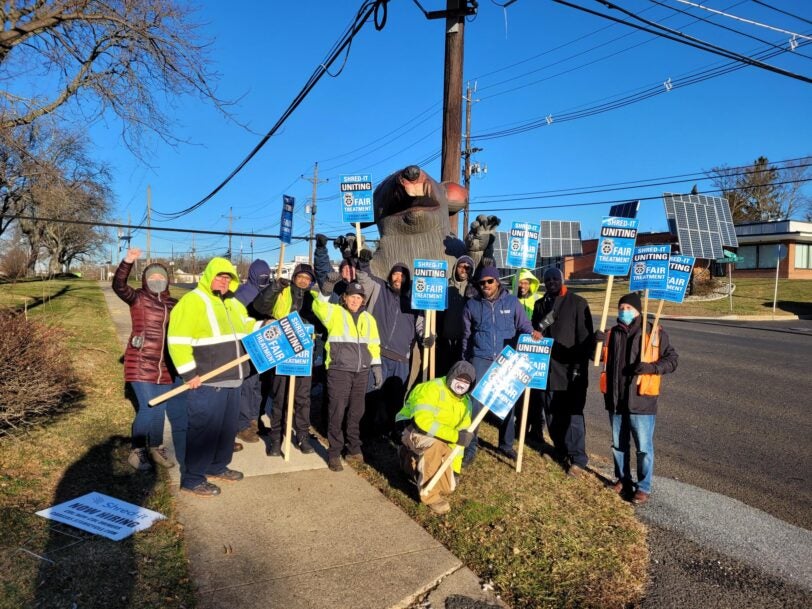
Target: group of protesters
{"points": [[366, 339]]}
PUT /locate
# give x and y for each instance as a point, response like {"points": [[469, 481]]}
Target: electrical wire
{"points": [[794, 16], [742, 19]]}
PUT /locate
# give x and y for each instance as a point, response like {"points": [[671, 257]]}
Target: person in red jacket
{"points": [[147, 367]]}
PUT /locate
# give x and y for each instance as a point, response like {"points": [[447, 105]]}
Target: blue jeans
{"points": [[641, 428], [148, 426]]}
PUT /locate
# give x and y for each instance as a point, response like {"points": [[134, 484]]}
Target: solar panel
{"points": [[696, 224], [726, 228], [560, 238], [625, 210], [500, 249]]}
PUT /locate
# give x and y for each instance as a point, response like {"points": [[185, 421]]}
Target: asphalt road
{"points": [[734, 419], [736, 416]]}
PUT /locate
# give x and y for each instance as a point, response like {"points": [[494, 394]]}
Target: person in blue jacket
{"points": [[492, 320]]}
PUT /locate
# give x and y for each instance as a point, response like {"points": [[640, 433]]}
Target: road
{"points": [[735, 419]]}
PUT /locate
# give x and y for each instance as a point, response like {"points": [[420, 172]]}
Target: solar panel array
{"points": [[560, 238], [500, 249], [695, 220], [625, 210]]}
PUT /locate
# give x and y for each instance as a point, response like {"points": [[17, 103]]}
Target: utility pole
{"points": [[452, 94], [149, 235], [231, 219], [194, 264], [315, 181], [467, 152]]}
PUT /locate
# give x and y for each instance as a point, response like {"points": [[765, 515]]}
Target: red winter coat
{"points": [[146, 358]]}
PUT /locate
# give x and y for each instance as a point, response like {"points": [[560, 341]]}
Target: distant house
{"points": [[758, 246]]}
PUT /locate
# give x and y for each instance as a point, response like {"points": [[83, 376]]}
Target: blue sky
{"points": [[383, 111]]}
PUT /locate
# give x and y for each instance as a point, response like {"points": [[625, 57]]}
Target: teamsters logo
{"points": [[515, 245], [607, 246], [639, 268], [271, 333], [348, 200], [420, 285]]}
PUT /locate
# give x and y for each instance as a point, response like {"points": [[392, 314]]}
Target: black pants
{"points": [[301, 406], [449, 352], [565, 421], [346, 392], [213, 414]]}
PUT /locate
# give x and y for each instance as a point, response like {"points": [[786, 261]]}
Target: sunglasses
{"points": [[487, 281]]}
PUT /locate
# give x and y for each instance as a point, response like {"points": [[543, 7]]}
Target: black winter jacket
{"points": [[623, 350], [573, 335]]}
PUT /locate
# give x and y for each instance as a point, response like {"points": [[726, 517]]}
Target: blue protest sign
{"points": [[538, 352], [616, 246], [679, 276], [286, 223], [649, 268], [356, 198], [300, 364], [523, 245], [430, 286], [277, 341], [504, 382]]}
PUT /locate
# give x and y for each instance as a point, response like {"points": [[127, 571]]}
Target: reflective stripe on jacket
{"points": [[438, 412], [205, 330], [351, 346], [529, 301]]}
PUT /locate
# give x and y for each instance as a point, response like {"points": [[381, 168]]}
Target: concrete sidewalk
{"points": [[296, 535]]}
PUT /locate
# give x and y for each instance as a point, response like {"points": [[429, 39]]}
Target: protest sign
{"points": [[102, 515], [649, 268], [300, 364], [286, 222], [356, 198], [430, 285], [679, 277], [613, 257], [504, 382], [277, 341], [538, 352], [523, 245]]}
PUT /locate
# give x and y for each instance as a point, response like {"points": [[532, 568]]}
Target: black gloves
{"points": [[377, 374], [321, 240], [464, 438], [638, 369], [546, 321], [429, 341], [346, 244], [365, 255], [600, 336]]}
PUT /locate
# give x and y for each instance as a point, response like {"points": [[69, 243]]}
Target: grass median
{"points": [[82, 449]]}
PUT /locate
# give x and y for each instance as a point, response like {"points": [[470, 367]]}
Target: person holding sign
{"points": [[438, 413], [633, 407], [492, 320], [278, 300], [460, 289], [353, 350], [564, 317], [205, 329]]}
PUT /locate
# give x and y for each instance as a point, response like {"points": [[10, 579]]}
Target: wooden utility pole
{"points": [[149, 232], [452, 96], [231, 219], [315, 181]]}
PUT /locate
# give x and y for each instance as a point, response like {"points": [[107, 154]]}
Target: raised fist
{"points": [[133, 254], [321, 240], [481, 235], [365, 255]]}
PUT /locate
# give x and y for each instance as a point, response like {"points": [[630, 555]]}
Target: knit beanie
{"points": [[633, 299], [488, 271]]}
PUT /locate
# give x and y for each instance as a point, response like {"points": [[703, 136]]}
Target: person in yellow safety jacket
{"points": [[204, 333], [438, 413], [353, 350], [528, 290]]}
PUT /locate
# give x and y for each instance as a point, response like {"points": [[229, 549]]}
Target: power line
{"points": [[769, 6], [742, 19]]}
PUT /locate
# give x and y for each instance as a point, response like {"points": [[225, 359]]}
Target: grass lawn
{"points": [[46, 564], [750, 297]]}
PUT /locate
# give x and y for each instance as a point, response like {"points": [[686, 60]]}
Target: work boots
{"points": [[275, 448], [304, 444]]}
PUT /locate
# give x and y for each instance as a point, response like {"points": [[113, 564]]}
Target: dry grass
{"points": [[544, 540], [75, 452]]}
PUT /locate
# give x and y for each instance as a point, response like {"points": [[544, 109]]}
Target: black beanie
{"points": [[632, 298]]}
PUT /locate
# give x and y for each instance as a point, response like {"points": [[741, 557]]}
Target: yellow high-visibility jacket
{"points": [[205, 330], [351, 346], [438, 412]]}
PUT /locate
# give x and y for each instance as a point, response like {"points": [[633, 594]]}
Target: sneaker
{"points": [[440, 507], [204, 489], [305, 446], [275, 448], [229, 475], [138, 460], [248, 434], [159, 456], [356, 459], [509, 453], [334, 463]]}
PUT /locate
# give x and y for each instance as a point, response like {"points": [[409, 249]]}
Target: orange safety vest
{"points": [[647, 384]]}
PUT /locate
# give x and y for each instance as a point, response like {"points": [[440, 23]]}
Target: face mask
{"points": [[157, 285], [264, 281], [459, 386], [626, 316]]}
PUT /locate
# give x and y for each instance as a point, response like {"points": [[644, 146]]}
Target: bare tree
{"points": [[754, 194], [124, 56], [796, 176]]}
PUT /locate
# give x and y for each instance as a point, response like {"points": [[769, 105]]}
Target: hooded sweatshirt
{"points": [[532, 296], [259, 276], [458, 293], [205, 329]]}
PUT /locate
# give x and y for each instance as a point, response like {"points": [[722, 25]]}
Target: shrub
{"points": [[36, 376]]}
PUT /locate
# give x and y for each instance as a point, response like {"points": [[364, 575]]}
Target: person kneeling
{"points": [[438, 413]]}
